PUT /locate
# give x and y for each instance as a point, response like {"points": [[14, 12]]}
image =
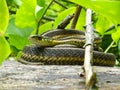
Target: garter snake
{"points": [[49, 48]]}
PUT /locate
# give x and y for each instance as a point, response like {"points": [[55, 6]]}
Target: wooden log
{"points": [[17, 76]]}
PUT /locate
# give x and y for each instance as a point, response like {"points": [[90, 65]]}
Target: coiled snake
{"points": [[62, 47]]}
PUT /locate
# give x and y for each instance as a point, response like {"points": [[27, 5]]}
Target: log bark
{"points": [[17, 76]]}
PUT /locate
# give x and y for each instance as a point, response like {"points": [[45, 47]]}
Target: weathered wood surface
{"points": [[17, 76]]}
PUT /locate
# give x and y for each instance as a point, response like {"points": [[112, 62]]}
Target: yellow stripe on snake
{"points": [[62, 47]]}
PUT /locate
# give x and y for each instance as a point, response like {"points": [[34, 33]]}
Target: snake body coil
{"points": [[63, 55]]}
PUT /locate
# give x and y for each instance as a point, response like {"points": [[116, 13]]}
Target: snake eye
{"points": [[35, 37], [39, 37]]}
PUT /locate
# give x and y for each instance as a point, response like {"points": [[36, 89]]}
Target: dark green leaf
{"points": [[18, 41], [12, 29]]}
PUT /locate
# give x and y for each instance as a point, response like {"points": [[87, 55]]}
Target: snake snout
{"points": [[35, 37]]}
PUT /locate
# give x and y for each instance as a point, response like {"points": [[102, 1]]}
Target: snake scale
{"points": [[62, 47]]}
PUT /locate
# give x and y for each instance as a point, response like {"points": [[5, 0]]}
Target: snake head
{"points": [[35, 39], [40, 40]]}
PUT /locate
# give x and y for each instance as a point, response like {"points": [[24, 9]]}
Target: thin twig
{"points": [[48, 18], [90, 75], [37, 30], [76, 16], [65, 22], [60, 4], [112, 27]]}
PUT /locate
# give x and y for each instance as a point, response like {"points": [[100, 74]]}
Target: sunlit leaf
{"points": [[12, 29], [102, 24], [81, 20], [4, 16], [116, 35], [107, 8], [25, 16], [46, 27], [4, 49], [62, 16]]}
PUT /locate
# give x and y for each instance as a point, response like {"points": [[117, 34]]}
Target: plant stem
{"points": [[109, 47], [39, 22], [76, 16]]}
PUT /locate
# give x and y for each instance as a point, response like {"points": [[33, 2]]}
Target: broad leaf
{"points": [[18, 41], [116, 35], [25, 16], [81, 20], [17, 37], [108, 8], [4, 16], [4, 49], [46, 27], [12, 29], [102, 24]]}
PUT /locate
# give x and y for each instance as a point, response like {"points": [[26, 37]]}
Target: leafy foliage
{"points": [[108, 9], [28, 16], [4, 46]]}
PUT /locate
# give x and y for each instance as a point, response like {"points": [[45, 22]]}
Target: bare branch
{"points": [[39, 22], [76, 16], [65, 22], [90, 75]]}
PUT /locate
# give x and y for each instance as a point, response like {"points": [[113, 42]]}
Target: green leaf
{"points": [[25, 16], [4, 16], [40, 8], [102, 24], [46, 27], [17, 37], [107, 8], [4, 49], [18, 41], [81, 20], [12, 29], [62, 16], [116, 35]]}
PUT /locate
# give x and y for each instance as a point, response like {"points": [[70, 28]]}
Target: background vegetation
{"points": [[21, 18]]}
